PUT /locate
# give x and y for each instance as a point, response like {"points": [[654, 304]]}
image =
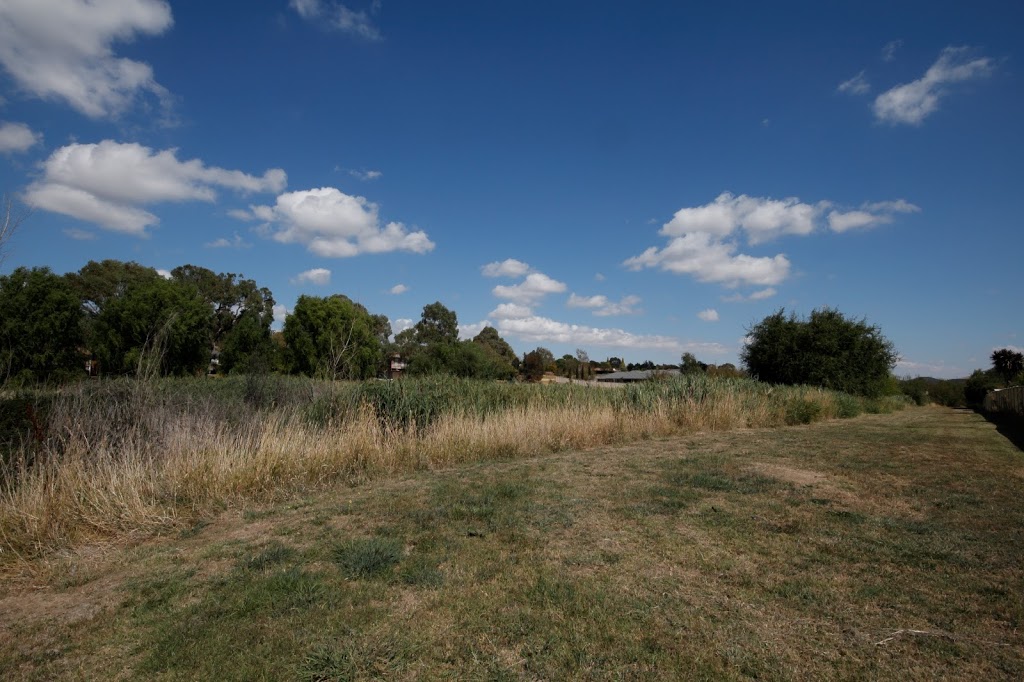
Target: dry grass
{"points": [[128, 460]]}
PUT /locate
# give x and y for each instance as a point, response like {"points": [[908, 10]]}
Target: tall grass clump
{"points": [[124, 457]]}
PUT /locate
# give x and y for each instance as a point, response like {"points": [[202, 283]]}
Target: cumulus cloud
{"points": [[17, 137], [912, 102], [236, 242], [317, 276], [108, 183], [761, 218], [509, 267], [400, 324], [709, 315], [337, 16], [63, 50], [468, 331], [758, 295], [869, 215], [280, 312], [399, 289], [858, 85], [712, 260], [536, 286], [545, 330], [703, 240], [511, 311], [333, 224], [603, 306], [166, 274]]}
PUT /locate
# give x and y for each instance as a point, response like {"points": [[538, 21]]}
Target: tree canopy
{"points": [[334, 338], [827, 349], [40, 326]]}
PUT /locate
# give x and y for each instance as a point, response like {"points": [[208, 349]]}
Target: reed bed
{"points": [[131, 458]]}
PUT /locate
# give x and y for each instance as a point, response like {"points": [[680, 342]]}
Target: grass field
{"points": [[882, 547]]}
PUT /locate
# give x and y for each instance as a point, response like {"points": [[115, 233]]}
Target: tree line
{"points": [[121, 318]]}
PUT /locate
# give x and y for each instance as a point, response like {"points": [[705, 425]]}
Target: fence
{"points": [[1005, 400]]}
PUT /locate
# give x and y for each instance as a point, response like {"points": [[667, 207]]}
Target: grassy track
{"points": [[883, 547]]}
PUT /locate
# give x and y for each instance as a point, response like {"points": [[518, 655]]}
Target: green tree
{"points": [[40, 327], [491, 339], [241, 315], [827, 350], [689, 364], [1009, 364], [334, 338], [153, 326], [437, 324]]}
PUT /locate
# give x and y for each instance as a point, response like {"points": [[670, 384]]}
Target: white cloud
{"points": [[858, 85], [605, 307], [401, 324], [80, 235], [337, 16], [333, 224], [761, 218], [511, 311], [889, 51], [399, 289], [509, 267], [468, 331], [280, 312], [17, 137], [711, 260], [318, 276], [709, 315], [365, 175], [545, 330], [699, 245], [912, 102], [599, 277], [536, 286], [869, 215], [236, 242], [166, 274], [109, 182], [63, 50]]}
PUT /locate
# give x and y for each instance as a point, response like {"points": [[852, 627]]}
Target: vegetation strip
{"points": [[120, 458], [885, 547]]}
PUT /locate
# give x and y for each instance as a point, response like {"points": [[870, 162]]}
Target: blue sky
{"points": [[634, 179]]}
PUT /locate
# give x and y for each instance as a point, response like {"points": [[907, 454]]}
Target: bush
{"points": [[826, 350]]}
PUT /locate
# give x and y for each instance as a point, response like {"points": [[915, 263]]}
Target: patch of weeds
{"points": [[327, 663], [356, 659], [196, 528], [421, 570], [802, 411], [847, 406], [368, 557], [275, 553]]}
